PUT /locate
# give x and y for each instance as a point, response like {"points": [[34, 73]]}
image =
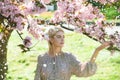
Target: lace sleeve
{"points": [[81, 69]]}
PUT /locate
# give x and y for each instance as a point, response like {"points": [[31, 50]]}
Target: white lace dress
{"points": [[61, 67]]}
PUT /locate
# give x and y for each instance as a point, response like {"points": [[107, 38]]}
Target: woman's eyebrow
{"points": [[59, 35]]}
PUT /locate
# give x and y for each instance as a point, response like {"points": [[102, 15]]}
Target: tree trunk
{"points": [[3, 54]]}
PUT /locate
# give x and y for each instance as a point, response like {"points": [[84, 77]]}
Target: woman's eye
{"points": [[58, 36]]}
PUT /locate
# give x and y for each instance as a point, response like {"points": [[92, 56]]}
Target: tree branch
{"points": [[19, 35], [111, 47]]}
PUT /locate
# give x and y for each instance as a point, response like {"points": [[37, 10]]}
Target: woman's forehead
{"points": [[60, 33]]}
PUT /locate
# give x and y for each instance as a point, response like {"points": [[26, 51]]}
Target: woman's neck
{"points": [[55, 51]]}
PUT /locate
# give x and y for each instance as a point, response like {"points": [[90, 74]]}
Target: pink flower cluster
{"points": [[27, 42], [16, 13], [36, 30], [75, 12], [45, 1], [13, 14], [31, 7]]}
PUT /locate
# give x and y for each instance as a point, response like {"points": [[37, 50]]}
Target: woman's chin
{"points": [[62, 45]]}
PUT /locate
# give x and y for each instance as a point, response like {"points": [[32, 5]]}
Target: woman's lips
{"points": [[62, 43]]}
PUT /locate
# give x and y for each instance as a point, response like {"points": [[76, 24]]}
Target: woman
{"points": [[58, 65]]}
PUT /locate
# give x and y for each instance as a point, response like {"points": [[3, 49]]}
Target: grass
{"points": [[22, 65]]}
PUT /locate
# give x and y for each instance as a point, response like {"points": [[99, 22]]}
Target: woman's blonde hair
{"points": [[51, 32]]}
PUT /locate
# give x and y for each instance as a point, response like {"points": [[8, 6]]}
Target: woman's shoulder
{"points": [[42, 56], [69, 54]]}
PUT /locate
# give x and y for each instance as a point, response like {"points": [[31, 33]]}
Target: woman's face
{"points": [[58, 39]]}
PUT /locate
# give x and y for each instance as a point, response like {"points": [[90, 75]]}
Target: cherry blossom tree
{"points": [[18, 14], [13, 16]]}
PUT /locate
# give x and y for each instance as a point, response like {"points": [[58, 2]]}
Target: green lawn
{"points": [[23, 65]]}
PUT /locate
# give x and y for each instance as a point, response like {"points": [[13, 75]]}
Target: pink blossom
{"points": [[62, 6], [36, 31], [78, 30], [88, 29], [99, 22], [46, 37], [31, 8], [27, 42], [80, 23], [113, 1], [19, 26], [101, 16], [46, 1], [57, 17], [91, 16]]}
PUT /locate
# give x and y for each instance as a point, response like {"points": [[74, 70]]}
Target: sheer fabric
{"points": [[62, 67]]}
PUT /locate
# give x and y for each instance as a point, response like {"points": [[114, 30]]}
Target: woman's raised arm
{"points": [[98, 49]]}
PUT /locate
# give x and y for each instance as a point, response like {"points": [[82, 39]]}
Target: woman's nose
{"points": [[62, 39]]}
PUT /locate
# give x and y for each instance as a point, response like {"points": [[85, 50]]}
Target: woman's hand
{"points": [[102, 46]]}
